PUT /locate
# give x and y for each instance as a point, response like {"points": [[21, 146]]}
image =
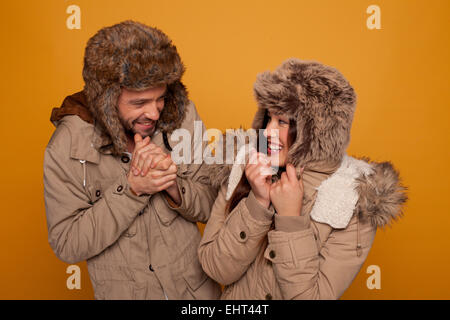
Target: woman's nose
{"points": [[270, 131]]}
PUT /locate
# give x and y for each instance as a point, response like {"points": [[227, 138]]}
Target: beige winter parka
{"points": [[136, 247], [259, 254]]}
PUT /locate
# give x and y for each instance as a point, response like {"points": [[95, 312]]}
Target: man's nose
{"points": [[152, 112]]}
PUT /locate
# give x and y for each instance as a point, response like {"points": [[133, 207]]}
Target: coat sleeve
{"points": [[305, 269], [77, 228], [231, 242], [197, 194]]}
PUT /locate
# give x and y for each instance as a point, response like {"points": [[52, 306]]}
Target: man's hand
{"points": [[147, 155], [286, 194], [151, 169], [154, 182]]}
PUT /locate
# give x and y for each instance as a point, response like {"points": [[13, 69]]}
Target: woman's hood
{"points": [[380, 194], [321, 101]]}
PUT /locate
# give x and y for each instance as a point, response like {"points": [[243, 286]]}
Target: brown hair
{"points": [[243, 187]]}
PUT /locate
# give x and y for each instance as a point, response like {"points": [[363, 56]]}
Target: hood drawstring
{"points": [[83, 162], [358, 239], [166, 141]]}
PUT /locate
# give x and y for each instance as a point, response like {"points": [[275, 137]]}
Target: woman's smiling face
{"points": [[277, 134]]}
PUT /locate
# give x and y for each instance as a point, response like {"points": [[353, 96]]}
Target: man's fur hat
{"points": [[134, 56], [321, 101]]}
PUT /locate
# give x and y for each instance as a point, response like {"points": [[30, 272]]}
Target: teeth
{"points": [[273, 147]]}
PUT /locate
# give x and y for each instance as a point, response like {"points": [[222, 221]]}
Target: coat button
{"points": [[150, 268], [268, 296], [183, 190], [272, 254], [125, 159], [242, 235], [119, 188], [97, 193]]}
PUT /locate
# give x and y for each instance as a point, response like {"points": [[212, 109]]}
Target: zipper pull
{"points": [[83, 162]]}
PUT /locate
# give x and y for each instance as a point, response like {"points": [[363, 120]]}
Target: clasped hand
{"points": [[151, 169], [286, 194]]}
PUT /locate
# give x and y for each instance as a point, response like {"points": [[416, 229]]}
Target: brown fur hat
{"points": [[321, 101], [134, 56]]}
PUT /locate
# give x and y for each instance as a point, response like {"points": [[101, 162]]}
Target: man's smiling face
{"points": [[140, 110]]}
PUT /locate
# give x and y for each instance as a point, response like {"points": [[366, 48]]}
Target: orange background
{"points": [[400, 74]]}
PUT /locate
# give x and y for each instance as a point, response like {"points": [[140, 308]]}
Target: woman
{"points": [[304, 233]]}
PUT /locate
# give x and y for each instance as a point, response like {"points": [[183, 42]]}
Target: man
{"points": [[113, 195]]}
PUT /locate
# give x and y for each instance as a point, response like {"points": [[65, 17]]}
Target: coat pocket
{"points": [[164, 213], [194, 275], [116, 283], [132, 229], [96, 191]]}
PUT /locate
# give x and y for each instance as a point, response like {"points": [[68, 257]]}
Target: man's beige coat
{"points": [[135, 247]]}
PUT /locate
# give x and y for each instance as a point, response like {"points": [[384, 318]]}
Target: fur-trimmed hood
{"points": [[134, 56], [380, 194], [322, 103]]}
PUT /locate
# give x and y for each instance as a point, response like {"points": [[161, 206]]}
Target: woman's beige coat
{"points": [[258, 254]]}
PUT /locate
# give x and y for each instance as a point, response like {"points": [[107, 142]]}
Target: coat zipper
{"points": [[83, 162]]}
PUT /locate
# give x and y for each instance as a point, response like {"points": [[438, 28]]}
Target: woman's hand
{"points": [[286, 194], [259, 173]]}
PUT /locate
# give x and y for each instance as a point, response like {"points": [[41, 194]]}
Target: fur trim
{"points": [[323, 102], [135, 56], [319, 98], [218, 174], [381, 195], [232, 141], [378, 193]]}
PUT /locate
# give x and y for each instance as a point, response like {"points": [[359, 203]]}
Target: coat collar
{"points": [[82, 144], [88, 142], [336, 197]]}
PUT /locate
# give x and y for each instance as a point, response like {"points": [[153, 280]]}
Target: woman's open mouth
{"points": [[273, 148]]}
